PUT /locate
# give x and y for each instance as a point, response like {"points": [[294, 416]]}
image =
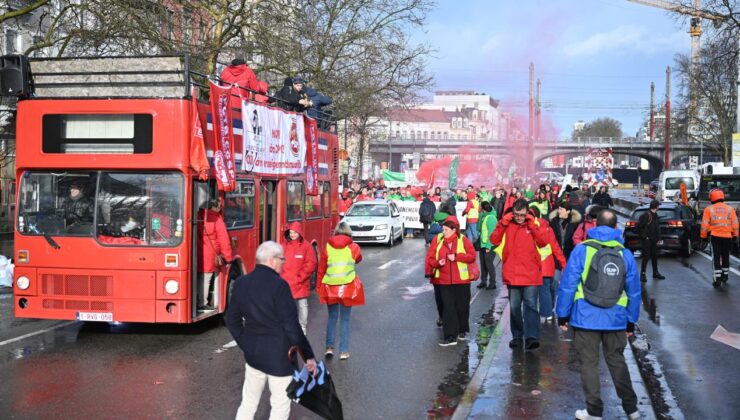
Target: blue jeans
{"points": [[342, 312], [528, 325], [471, 231], [548, 291]]}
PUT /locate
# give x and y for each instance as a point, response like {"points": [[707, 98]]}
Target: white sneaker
{"points": [[634, 416], [583, 415]]}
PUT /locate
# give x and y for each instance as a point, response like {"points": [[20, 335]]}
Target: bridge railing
{"points": [[578, 142]]}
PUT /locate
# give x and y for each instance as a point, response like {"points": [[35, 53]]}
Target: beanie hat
{"points": [[451, 222], [440, 216]]}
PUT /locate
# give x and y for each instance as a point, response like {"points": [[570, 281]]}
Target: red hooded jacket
{"points": [[337, 242], [582, 229], [521, 260], [343, 205], [300, 262], [213, 239], [548, 264], [449, 274], [243, 76]]}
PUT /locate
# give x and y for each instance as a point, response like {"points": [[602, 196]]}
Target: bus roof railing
{"points": [[112, 77]]}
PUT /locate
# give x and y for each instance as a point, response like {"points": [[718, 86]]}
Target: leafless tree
{"points": [[714, 92]]}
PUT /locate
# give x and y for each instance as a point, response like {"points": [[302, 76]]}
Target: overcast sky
{"points": [[595, 57]]}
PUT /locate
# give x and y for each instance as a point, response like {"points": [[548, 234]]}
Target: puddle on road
{"points": [[32, 345], [453, 386]]}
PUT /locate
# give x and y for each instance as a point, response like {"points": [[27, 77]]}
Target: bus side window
{"points": [[239, 206], [326, 198]]}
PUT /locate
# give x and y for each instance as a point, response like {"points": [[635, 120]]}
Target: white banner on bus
{"points": [[410, 212], [274, 140]]}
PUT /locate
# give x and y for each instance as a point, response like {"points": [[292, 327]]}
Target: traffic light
{"points": [[15, 76]]}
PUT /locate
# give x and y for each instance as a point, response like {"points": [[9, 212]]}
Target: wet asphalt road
{"points": [[163, 371]]}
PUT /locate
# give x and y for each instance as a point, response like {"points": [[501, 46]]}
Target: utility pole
{"points": [[529, 167], [652, 112], [667, 135], [735, 158], [538, 114]]}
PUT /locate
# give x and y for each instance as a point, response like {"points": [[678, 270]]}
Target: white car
{"points": [[376, 221]]}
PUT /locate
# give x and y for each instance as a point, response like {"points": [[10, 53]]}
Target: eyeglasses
{"points": [[281, 258], [520, 215]]}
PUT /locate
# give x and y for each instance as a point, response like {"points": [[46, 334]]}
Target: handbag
{"points": [[350, 294], [473, 271]]}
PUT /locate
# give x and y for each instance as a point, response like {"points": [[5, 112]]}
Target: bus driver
{"points": [[77, 207]]}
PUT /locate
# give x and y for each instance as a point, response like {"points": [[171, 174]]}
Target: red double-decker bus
{"points": [[108, 203]]}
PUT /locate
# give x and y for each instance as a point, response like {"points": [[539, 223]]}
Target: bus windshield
{"points": [[117, 208]]}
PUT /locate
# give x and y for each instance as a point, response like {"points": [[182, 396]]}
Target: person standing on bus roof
{"points": [[78, 208], [239, 74], [214, 249], [263, 320], [300, 263]]}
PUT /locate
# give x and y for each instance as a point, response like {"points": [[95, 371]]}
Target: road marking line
{"points": [[386, 265], [711, 259], [475, 296], [225, 347], [46, 330]]}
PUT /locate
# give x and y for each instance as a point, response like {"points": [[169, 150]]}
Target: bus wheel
{"points": [[315, 274]]}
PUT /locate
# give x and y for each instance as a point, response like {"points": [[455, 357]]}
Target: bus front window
{"points": [[58, 204], [140, 209]]}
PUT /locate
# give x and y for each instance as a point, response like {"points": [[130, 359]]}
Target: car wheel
{"points": [[403, 233], [688, 248], [391, 239]]}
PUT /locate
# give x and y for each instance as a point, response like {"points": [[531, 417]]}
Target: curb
{"points": [[465, 406]]}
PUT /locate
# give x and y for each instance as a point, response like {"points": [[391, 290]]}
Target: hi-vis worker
{"points": [[451, 261], [720, 222], [471, 212], [337, 279]]}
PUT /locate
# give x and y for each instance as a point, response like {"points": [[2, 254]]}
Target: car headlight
{"points": [[381, 227], [23, 282], [171, 286]]}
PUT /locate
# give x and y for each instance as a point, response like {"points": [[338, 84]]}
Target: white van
{"points": [[669, 183]]}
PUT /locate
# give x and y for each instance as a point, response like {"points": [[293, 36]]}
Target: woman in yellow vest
{"points": [[337, 270], [451, 260]]}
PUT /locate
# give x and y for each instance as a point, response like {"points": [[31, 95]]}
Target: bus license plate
{"points": [[95, 316]]}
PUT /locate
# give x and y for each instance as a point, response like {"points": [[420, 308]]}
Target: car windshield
{"points": [[730, 186], [118, 208], [675, 183], [663, 214], [368, 210]]}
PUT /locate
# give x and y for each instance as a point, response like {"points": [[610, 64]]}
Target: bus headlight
{"points": [[23, 282], [171, 287]]}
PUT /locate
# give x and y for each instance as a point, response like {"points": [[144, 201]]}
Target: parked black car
{"points": [[679, 228]]}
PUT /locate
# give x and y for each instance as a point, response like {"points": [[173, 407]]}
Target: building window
{"points": [[432, 136], [465, 123], [11, 41], [418, 135], [426, 135], [445, 135]]}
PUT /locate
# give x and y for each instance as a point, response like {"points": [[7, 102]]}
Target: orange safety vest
{"points": [[719, 220]]}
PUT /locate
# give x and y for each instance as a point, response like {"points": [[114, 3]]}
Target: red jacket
{"points": [[300, 262], [243, 76], [548, 264], [521, 261], [449, 273], [338, 242], [582, 229], [510, 199], [213, 239], [343, 205]]}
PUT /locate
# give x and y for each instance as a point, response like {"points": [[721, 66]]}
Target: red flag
{"points": [[223, 135], [312, 156], [198, 158]]}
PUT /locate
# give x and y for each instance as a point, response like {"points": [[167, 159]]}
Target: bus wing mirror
{"points": [[201, 194]]}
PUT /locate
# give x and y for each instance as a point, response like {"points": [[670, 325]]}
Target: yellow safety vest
{"points": [[461, 266], [590, 252], [473, 213], [340, 267]]}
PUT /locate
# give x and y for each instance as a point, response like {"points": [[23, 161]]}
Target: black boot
{"points": [[658, 276], [643, 277], [481, 285]]}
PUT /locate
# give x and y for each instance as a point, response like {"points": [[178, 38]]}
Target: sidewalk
{"points": [[539, 384]]}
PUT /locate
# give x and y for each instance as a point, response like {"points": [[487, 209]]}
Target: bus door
{"points": [[268, 211], [205, 195]]}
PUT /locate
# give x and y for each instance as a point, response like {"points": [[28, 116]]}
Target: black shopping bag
{"points": [[316, 392]]}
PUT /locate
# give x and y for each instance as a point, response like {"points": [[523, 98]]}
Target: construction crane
{"points": [[696, 13]]}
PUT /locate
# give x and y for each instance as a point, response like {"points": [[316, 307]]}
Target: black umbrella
{"points": [[316, 392]]}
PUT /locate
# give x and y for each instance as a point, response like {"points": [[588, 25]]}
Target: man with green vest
{"points": [[394, 195], [599, 322], [486, 226], [484, 195]]}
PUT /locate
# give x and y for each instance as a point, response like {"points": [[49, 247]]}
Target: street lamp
{"points": [[390, 134]]}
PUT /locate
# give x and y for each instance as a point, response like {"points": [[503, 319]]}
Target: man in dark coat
{"points": [[426, 215], [263, 319], [602, 198], [78, 208], [564, 221], [292, 97], [648, 228]]}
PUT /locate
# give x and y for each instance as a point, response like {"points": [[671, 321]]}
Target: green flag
{"points": [[394, 179], [452, 177]]}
